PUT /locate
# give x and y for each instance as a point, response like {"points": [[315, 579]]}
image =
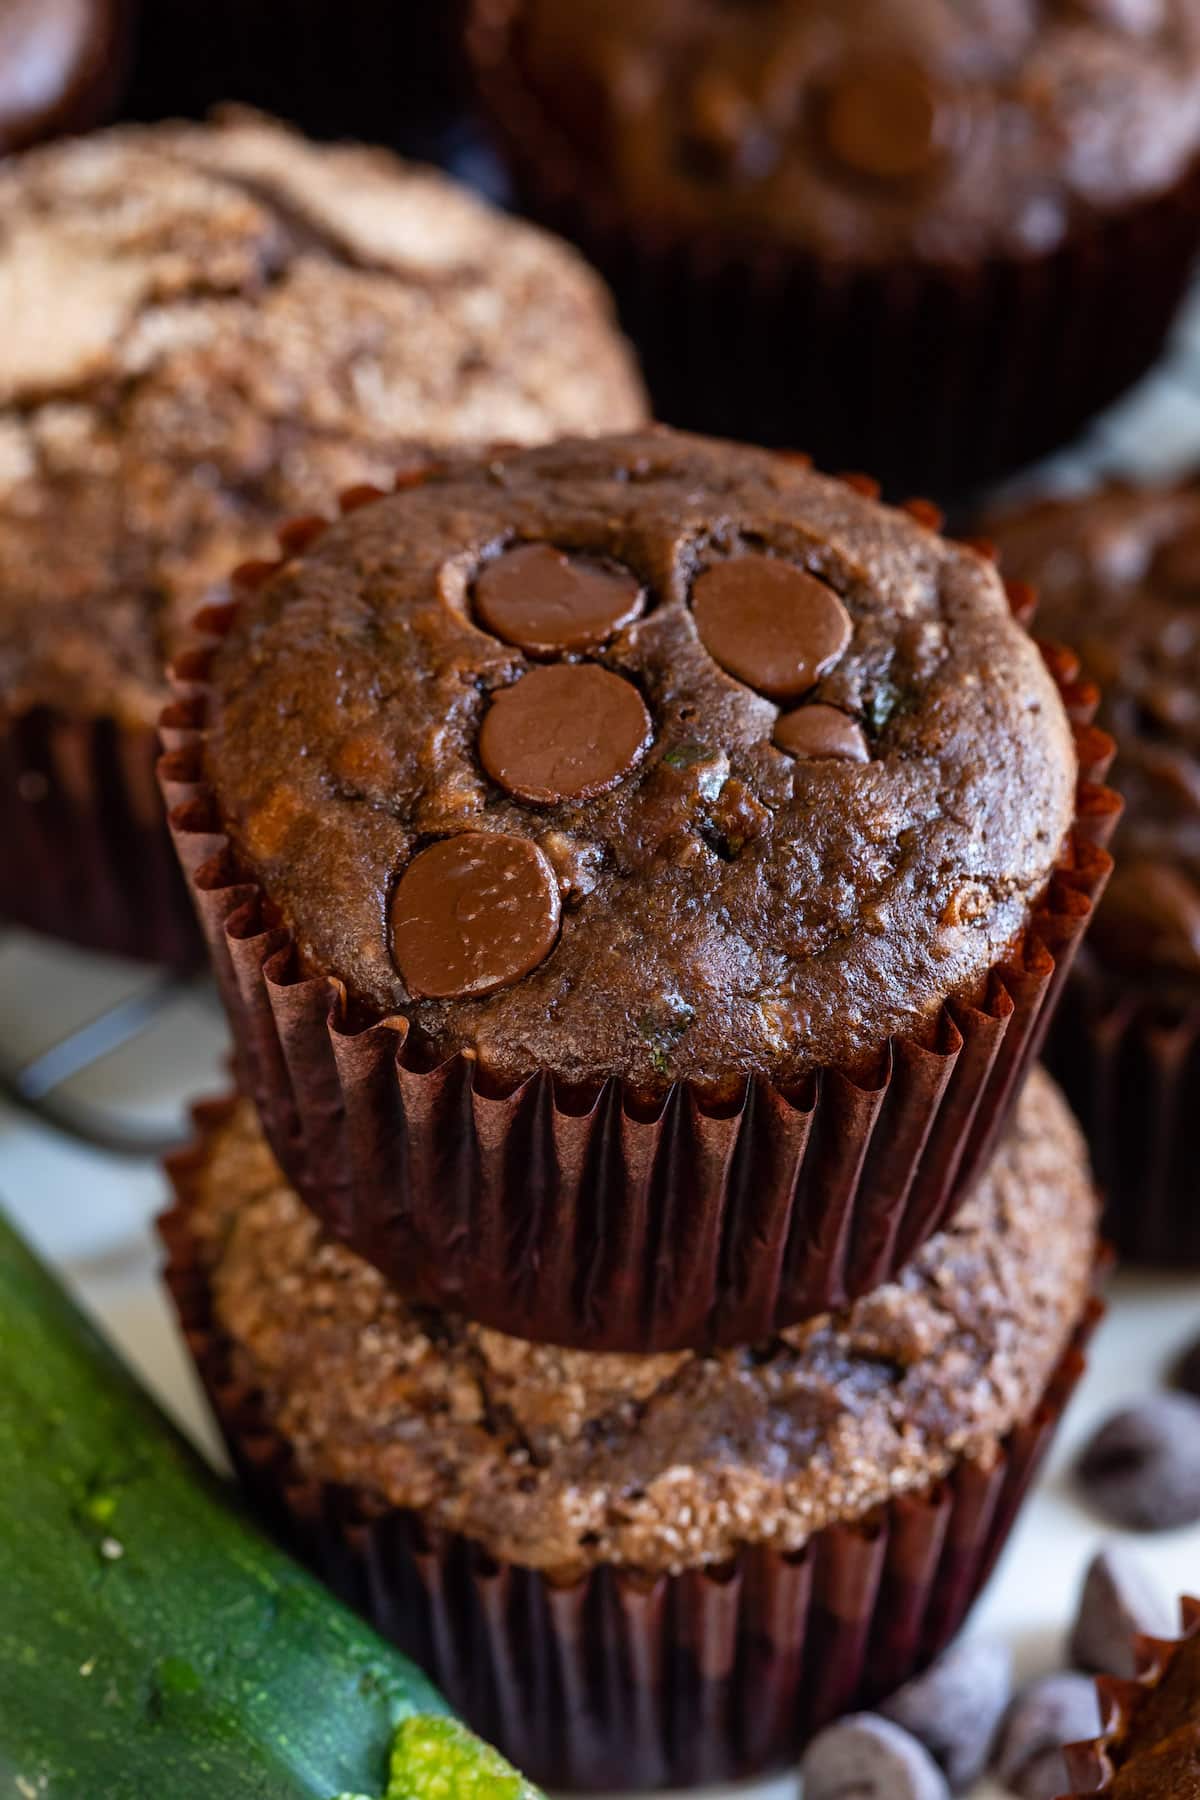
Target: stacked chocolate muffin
{"points": [[639, 872]]}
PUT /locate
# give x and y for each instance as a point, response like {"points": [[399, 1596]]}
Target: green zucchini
{"points": [[153, 1644]]}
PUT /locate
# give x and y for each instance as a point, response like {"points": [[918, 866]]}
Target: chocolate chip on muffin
{"points": [[661, 659]]}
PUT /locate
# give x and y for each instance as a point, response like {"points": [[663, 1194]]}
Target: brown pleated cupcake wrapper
{"points": [[1093, 1765], [622, 1679], [85, 853], [936, 377], [1129, 1060], [612, 1227]]}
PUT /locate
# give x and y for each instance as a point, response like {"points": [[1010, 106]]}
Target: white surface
{"points": [[92, 1213]]}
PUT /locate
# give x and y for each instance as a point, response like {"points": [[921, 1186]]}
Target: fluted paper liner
{"points": [[623, 1679], [85, 854], [937, 375], [1092, 1766], [605, 1227], [1128, 1057]]}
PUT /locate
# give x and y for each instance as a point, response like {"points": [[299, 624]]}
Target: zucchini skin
{"points": [[154, 1645]]}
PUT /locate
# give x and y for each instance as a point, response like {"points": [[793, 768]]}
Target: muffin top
{"points": [[867, 130], [561, 1458], [1157, 1756], [210, 327], [644, 755], [1119, 575]]}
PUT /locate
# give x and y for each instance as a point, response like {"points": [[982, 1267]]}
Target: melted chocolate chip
{"points": [[564, 733], [772, 625], [473, 913], [552, 604], [822, 734], [886, 118]]}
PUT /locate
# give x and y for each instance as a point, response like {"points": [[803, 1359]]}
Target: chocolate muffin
{"points": [[62, 63], [896, 233], [388, 70], [617, 790], [207, 328], [1151, 1746], [1120, 579], [792, 1527]]}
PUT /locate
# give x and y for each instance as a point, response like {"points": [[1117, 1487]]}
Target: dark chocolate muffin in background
{"points": [[208, 328], [1150, 1749], [389, 71], [1119, 577], [655, 772], [686, 1512], [62, 66], [896, 233]]}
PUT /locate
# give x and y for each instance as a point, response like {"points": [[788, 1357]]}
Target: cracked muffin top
{"points": [[868, 130], [559, 1459], [208, 328], [644, 755], [1119, 578]]}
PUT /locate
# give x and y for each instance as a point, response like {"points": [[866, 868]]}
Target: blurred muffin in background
{"points": [[1119, 576], [900, 234], [208, 329], [62, 65], [385, 70]]}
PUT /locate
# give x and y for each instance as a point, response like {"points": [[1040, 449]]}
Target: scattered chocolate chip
{"points": [[564, 733], [552, 604], [1058, 1710], [869, 1758], [955, 1708], [1118, 1602], [1141, 1469], [1186, 1372], [772, 625], [60, 63], [473, 913], [886, 117], [822, 734]]}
